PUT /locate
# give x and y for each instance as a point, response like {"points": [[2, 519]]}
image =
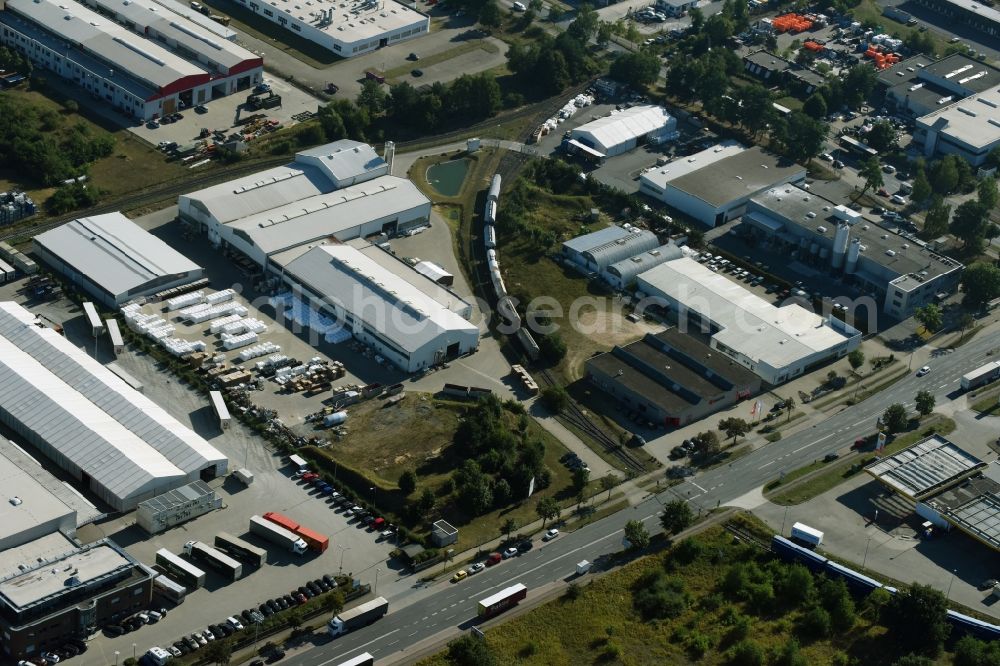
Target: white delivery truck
{"points": [[806, 536]]}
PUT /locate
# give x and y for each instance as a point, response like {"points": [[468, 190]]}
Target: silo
{"points": [[853, 252], [840, 241]]}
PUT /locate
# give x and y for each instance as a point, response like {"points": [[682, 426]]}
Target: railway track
{"points": [[746, 536]]}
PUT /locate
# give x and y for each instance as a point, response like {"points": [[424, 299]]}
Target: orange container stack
{"points": [[793, 23], [813, 46], [882, 60]]}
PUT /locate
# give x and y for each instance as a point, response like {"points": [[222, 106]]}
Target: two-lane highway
{"points": [[424, 612]]}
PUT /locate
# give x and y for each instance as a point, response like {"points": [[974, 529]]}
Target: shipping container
{"points": [[282, 520], [981, 376], [807, 536], [240, 549], [317, 542], [117, 343], [202, 552], [502, 600], [221, 411], [265, 529], [176, 566], [169, 589], [96, 325]]}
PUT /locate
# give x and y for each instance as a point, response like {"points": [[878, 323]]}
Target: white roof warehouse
{"points": [[114, 259], [777, 343], [403, 322], [80, 415]]}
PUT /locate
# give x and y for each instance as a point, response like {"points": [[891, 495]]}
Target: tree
{"points": [[639, 69], [470, 651], [585, 24], [965, 323], [981, 283], [734, 427], [706, 445], [815, 106], [804, 137], [333, 601], [882, 136], [555, 399], [789, 406], [925, 402], [915, 619], [407, 482], [856, 358], [552, 347], [871, 172], [490, 16], [895, 418], [937, 218], [944, 176], [676, 516], [987, 193], [790, 655], [608, 482], [930, 316], [604, 32], [508, 526], [815, 622], [838, 602], [755, 109], [293, 618], [921, 187], [581, 477], [858, 84], [547, 509], [372, 97], [746, 653], [970, 224], [426, 502], [636, 535]]}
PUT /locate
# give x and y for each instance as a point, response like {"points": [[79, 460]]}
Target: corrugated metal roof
{"points": [[595, 239], [624, 126], [344, 160], [114, 252], [120, 437]]}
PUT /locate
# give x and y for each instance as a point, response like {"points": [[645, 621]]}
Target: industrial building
{"points": [[919, 85], [114, 441], [31, 510], [622, 131], [714, 186], [776, 343], [671, 379], [113, 259], [948, 486], [900, 273], [143, 57], [776, 70], [405, 317], [974, 13], [622, 274], [599, 249], [338, 191], [176, 506], [969, 128], [347, 28], [51, 590]]}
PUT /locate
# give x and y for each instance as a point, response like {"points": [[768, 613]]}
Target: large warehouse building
{"points": [[114, 440], [714, 186], [31, 510], [163, 63], [113, 259], [919, 85], [969, 128], [776, 343], [347, 28], [338, 191], [900, 272], [622, 131], [51, 590], [413, 322], [671, 379], [599, 249]]}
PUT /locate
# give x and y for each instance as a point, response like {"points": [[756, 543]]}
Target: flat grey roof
{"points": [[976, 7], [805, 210], [86, 512], [343, 159], [26, 501], [925, 468], [974, 121], [966, 72], [178, 496], [736, 176], [444, 296], [115, 253], [28, 555], [904, 70], [53, 577], [768, 61]]}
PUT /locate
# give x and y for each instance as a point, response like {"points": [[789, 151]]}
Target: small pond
{"points": [[447, 177]]}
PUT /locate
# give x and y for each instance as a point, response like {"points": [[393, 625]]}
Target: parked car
{"points": [[475, 568], [114, 630], [525, 546], [459, 576], [510, 552], [192, 642], [209, 634], [923, 371], [550, 534], [234, 623]]}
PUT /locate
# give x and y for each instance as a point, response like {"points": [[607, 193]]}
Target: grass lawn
{"points": [[441, 56], [417, 434], [838, 471], [869, 10], [601, 624], [989, 405]]}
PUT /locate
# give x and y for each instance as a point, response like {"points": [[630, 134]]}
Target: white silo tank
{"points": [[814, 248], [853, 252], [840, 240]]}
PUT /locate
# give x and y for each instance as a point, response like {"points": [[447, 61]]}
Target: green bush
{"points": [[815, 623], [746, 653]]}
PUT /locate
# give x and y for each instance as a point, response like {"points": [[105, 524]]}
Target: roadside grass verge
{"points": [[442, 56]]}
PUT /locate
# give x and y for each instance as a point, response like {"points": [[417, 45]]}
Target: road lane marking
{"points": [[699, 487], [767, 464], [341, 656]]}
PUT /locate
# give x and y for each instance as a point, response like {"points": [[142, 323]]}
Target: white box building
{"points": [[714, 186], [113, 440], [622, 131], [776, 343], [348, 28], [969, 128], [599, 249], [145, 70], [114, 259], [338, 191], [413, 327]]}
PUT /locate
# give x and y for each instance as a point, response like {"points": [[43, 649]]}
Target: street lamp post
{"points": [[116, 657], [133, 651], [373, 499], [375, 591], [947, 596], [865, 561], [343, 549]]}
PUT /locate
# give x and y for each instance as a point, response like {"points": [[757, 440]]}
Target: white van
{"points": [[158, 656], [519, 7]]}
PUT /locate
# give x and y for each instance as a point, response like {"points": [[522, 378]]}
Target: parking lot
{"points": [[223, 113]]}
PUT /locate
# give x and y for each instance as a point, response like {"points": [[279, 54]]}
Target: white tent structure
{"points": [[620, 132]]}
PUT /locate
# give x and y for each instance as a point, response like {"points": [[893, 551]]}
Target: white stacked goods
{"points": [[299, 370], [220, 297], [130, 309], [160, 332], [255, 325], [221, 310], [179, 347], [191, 311], [235, 327], [184, 300], [337, 336], [271, 360], [220, 323], [152, 323], [259, 350], [283, 374], [237, 341]]}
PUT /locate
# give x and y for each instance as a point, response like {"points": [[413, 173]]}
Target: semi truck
{"points": [[359, 616], [240, 549], [169, 590], [183, 571], [981, 376], [288, 540], [806, 536], [202, 552], [363, 659], [317, 542], [497, 603]]}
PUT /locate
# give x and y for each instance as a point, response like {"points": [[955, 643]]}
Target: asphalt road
{"points": [[441, 606]]}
